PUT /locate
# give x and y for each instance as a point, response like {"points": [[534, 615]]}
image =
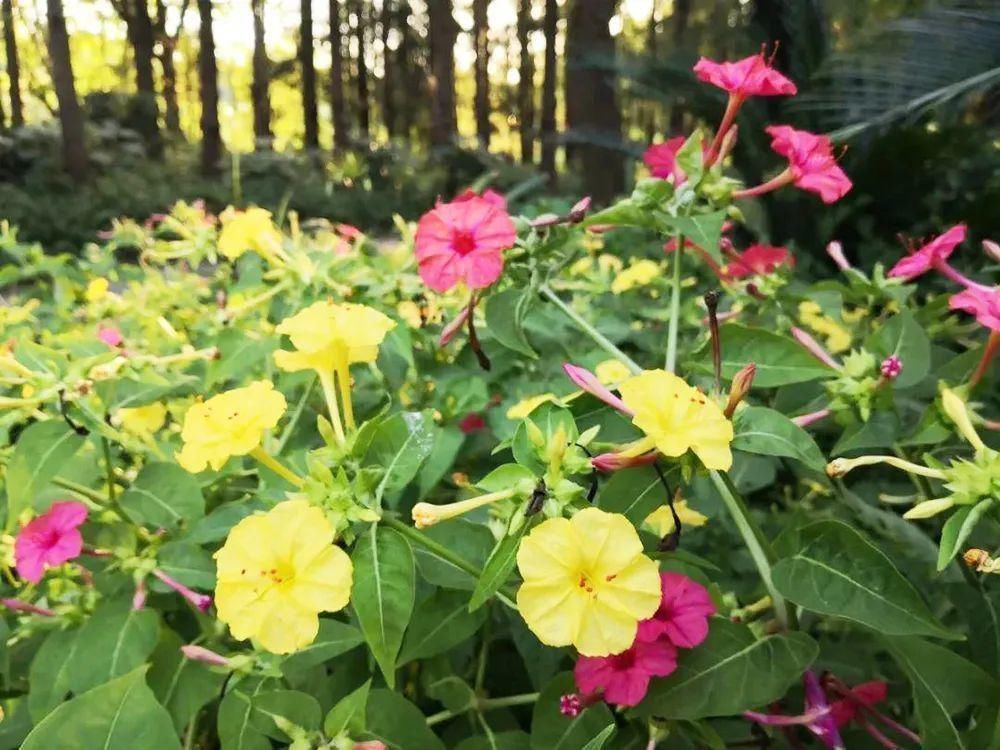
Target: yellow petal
{"points": [[551, 550], [928, 508]]}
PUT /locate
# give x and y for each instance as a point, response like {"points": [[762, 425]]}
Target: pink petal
{"points": [[66, 514], [588, 381]]}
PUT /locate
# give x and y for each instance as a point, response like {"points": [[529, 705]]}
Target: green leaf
{"points": [[550, 419], [384, 585], [498, 568], [188, 563], [334, 638], [601, 739], [181, 685], [550, 730], [120, 715], [399, 723], [164, 496], [233, 720], [829, 568], [880, 431], [349, 713], [705, 231], [943, 684], [769, 432], [272, 711], [115, 640], [128, 393], [439, 623], [958, 528], [41, 451], [238, 350], [779, 360], [711, 680], [513, 739], [903, 337], [400, 446], [634, 493], [505, 315], [49, 674], [470, 541]]}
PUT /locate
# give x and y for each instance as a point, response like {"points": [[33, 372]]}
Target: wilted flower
{"points": [[586, 582], [199, 601], [276, 572], [661, 520], [428, 514], [204, 655], [49, 540]]}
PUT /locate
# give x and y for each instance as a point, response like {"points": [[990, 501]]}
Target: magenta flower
{"points": [[661, 158], [570, 705], [204, 655], [865, 695], [891, 367], [751, 76], [590, 383], [608, 462], [110, 336], [982, 302], [812, 346], [200, 601], [759, 260], [683, 614], [931, 255], [811, 165], [624, 678], [51, 539], [463, 241]]}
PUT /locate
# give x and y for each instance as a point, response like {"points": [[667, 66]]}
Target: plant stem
{"points": [[441, 551], [756, 543], [675, 307], [486, 704], [330, 393], [276, 466], [109, 469], [92, 498], [599, 338]]}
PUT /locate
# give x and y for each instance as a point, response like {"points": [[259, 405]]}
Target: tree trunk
{"points": [[13, 65], [75, 157], [337, 104], [442, 31], [388, 70], [414, 75], [208, 80], [526, 84], [591, 98], [260, 85], [361, 38], [171, 112], [681, 20], [308, 67], [548, 119], [481, 42], [140, 32]]}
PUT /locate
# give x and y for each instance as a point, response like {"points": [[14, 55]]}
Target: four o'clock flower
{"points": [[661, 158], [51, 539], [985, 305], [811, 165], [623, 679], [932, 255], [758, 260]]}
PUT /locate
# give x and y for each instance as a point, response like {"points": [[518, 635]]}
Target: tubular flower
{"points": [[328, 336], [751, 76], [463, 241], [428, 514], [640, 273], [981, 302], [49, 540], [682, 617], [586, 582], [229, 424], [930, 255], [251, 230], [759, 260], [811, 165], [623, 678], [676, 418], [661, 520], [276, 572]]}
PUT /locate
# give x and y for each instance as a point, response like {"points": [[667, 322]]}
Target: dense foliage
{"points": [[502, 481]]}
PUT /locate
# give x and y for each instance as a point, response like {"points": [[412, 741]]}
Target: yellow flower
{"points": [[582, 267], [676, 418], [248, 230], [327, 335], [230, 424], [276, 572], [838, 338], [409, 311], [143, 420], [640, 273], [96, 290], [586, 582], [525, 406], [612, 371], [661, 521], [609, 263]]}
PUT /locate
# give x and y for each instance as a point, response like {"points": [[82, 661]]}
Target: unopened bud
{"points": [[992, 249], [608, 462], [891, 367], [742, 382], [579, 210], [570, 705], [836, 251], [204, 655], [728, 141]]}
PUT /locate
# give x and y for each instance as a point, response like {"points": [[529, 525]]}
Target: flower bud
{"points": [[957, 412], [608, 462], [836, 251], [813, 347], [992, 249], [579, 210], [740, 387], [204, 655], [891, 367]]}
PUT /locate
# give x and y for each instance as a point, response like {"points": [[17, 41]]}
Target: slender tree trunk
{"points": [[548, 119], [526, 84], [388, 69], [171, 111], [481, 42], [591, 98], [414, 75], [681, 20], [260, 85], [74, 146], [443, 30], [13, 65], [208, 80], [361, 38], [308, 67], [143, 43], [337, 103]]}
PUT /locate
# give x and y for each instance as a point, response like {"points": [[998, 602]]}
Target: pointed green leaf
{"points": [[334, 638], [115, 640], [498, 568], [958, 528], [550, 730], [349, 713], [769, 432], [41, 451], [164, 496], [505, 314], [181, 685], [440, 622]]}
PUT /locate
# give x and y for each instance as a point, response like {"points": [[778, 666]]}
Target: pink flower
{"points": [[891, 367], [811, 163], [751, 76], [661, 158], [867, 694], [759, 260], [51, 539], [589, 382], [608, 462], [463, 241], [812, 346], [624, 678], [472, 423], [836, 251], [683, 614], [110, 336], [204, 655], [570, 705], [982, 302], [930, 255], [200, 601]]}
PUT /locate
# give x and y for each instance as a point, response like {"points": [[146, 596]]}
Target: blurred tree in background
{"points": [[358, 109]]}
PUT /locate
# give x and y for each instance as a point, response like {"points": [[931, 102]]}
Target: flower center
{"points": [[625, 660], [463, 242]]}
